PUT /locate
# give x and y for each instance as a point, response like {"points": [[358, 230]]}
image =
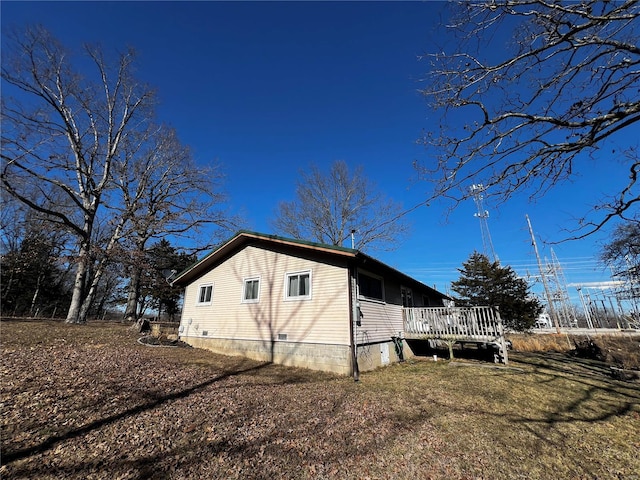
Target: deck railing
{"points": [[455, 324], [471, 322]]}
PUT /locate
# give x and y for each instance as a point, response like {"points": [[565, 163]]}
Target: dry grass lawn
{"points": [[90, 402]]}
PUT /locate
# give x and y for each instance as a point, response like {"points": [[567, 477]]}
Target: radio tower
{"points": [[482, 215]]}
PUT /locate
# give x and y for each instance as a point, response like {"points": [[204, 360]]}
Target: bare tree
{"points": [[62, 132], [622, 251], [34, 275], [524, 115], [329, 207], [13, 222], [164, 193]]}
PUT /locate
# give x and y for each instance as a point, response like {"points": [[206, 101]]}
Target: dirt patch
{"points": [[162, 341], [620, 351], [623, 352]]}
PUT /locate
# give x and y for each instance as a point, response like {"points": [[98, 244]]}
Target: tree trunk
{"points": [[7, 288], [97, 276], [88, 299], [131, 311], [34, 300], [73, 315]]}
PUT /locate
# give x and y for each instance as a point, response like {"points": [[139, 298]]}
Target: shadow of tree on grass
{"points": [[11, 456]]}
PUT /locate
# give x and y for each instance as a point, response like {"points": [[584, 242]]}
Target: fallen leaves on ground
{"points": [[90, 402]]}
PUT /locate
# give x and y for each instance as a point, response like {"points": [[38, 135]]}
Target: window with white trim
{"points": [[370, 286], [205, 293], [251, 290], [298, 286]]}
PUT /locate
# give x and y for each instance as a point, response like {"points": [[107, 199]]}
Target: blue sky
{"points": [[267, 88]]}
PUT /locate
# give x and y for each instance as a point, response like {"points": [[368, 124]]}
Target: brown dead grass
{"points": [[541, 343], [89, 402]]}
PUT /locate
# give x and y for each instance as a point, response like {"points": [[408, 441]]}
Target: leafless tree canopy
{"points": [[79, 146], [328, 207], [521, 111], [164, 192], [62, 133], [623, 249], [59, 128]]}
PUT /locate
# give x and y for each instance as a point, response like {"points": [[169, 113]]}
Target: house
{"points": [[299, 303]]}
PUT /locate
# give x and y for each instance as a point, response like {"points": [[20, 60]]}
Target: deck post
{"points": [[503, 342]]}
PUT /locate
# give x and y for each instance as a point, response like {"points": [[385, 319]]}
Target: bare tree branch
{"points": [[329, 207], [164, 193], [521, 117]]}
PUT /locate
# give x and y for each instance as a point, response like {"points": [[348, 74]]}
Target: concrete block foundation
{"points": [[323, 357]]}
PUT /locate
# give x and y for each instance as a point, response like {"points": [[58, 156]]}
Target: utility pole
{"points": [[552, 310]]}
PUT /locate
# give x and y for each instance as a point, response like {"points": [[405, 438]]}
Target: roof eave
{"points": [[243, 237]]}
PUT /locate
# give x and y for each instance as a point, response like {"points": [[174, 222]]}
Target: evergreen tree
{"points": [[162, 259], [483, 282]]}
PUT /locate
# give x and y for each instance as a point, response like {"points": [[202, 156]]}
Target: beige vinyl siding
{"points": [[324, 318], [381, 320]]}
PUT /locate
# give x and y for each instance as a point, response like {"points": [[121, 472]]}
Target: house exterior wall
{"points": [[380, 321], [380, 335], [312, 333]]}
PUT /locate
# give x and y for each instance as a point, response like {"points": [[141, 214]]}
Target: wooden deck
{"points": [[456, 325]]}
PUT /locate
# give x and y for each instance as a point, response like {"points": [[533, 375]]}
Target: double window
{"points": [[251, 290], [205, 293], [298, 285], [407, 297]]}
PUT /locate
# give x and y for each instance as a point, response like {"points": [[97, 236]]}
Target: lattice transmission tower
{"points": [[482, 214], [559, 292]]}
